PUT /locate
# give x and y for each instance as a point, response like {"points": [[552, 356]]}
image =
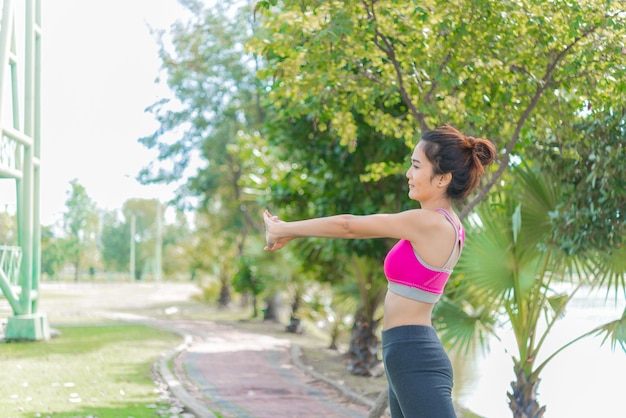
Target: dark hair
{"points": [[465, 157]]}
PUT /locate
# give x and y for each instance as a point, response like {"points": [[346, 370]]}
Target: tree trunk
{"points": [[363, 352], [334, 337], [224, 299], [523, 401], [271, 309], [255, 310], [295, 324]]}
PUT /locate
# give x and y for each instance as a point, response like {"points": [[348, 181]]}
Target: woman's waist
{"points": [[400, 310]]}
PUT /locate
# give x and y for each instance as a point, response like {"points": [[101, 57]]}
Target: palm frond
{"points": [[497, 261], [462, 327], [609, 270], [615, 331], [487, 261], [538, 200], [557, 304]]}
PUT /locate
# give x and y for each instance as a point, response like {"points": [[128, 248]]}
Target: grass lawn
{"points": [[94, 370]]}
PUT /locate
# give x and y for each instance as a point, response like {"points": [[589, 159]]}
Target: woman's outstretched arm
{"points": [[400, 225]]}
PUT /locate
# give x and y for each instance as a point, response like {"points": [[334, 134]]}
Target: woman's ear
{"points": [[444, 180]]}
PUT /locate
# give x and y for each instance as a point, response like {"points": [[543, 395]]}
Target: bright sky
{"points": [[99, 65]]}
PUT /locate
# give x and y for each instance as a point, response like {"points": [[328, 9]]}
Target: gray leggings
{"points": [[419, 373]]}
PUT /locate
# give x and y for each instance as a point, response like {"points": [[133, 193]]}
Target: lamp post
{"points": [[133, 221], [158, 262]]}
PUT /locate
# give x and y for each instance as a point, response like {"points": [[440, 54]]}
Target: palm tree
{"points": [[330, 309], [513, 269]]}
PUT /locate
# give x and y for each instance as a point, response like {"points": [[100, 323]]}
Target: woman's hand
{"points": [[273, 241]]}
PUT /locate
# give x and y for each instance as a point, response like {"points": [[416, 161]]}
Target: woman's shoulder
{"points": [[421, 222], [429, 217]]}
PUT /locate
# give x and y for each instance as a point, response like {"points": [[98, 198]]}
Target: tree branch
{"points": [[434, 84], [546, 81], [389, 50]]}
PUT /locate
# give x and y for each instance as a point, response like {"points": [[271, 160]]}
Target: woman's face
{"points": [[422, 183]]}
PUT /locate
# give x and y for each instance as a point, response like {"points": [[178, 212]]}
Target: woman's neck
{"points": [[440, 203]]}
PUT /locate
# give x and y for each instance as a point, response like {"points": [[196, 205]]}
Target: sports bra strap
{"points": [[458, 242]]}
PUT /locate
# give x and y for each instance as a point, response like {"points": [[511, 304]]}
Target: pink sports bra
{"points": [[409, 276]]}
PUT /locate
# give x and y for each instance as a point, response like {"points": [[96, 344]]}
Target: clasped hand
{"points": [[273, 241]]}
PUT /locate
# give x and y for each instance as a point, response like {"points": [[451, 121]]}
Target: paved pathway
{"points": [[246, 375], [222, 371]]}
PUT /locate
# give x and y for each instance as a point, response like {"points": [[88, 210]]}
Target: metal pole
{"points": [[37, 155], [27, 212], [5, 39], [132, 246], [158, 263]]}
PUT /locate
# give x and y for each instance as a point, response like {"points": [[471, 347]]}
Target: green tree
{"points": [[330, 308], [512, 267], [217, 107], [216, 254], [176, 237], [80, 223], [144, 212], [247, 281], [115, 238], [213, 81], [8, 229], [587, 158], [52, 253], [115, 242], [497, 69]]}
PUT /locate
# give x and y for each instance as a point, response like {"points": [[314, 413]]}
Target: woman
{"points": [[446, 167]]}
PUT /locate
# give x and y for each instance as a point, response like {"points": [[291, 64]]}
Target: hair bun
{"points": [[483, 150]]}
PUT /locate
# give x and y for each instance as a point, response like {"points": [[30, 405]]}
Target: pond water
{"points": [[587, 379]]}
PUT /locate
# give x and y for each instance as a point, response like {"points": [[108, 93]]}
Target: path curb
{"points": [[177, 389], [295, 351]]}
